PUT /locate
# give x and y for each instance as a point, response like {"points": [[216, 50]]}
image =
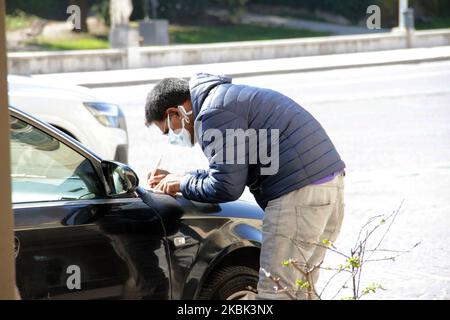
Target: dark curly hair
{"points": [[169, 92]]}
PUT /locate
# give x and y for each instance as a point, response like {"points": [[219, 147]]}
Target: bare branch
{"points": [[329, 280], [394, 216], [344, 286], [278, 284], [366, 224]]}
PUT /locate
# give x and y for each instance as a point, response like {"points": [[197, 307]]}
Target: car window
{"points": [[45, 169]]}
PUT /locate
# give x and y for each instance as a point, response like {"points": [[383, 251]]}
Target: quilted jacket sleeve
{"points": [[226, 178]]}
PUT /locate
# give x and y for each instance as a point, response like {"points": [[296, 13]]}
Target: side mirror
{"points": [[121, 179]]}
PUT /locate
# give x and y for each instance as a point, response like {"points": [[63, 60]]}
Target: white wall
{"points": [[159, 56]]}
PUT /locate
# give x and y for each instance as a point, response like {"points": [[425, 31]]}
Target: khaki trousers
{"points": [[294, 227]]}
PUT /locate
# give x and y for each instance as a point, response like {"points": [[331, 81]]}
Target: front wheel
{"points": [[231, 283]]}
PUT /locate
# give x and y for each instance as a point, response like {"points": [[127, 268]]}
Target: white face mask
{"points": [[182, 137]]}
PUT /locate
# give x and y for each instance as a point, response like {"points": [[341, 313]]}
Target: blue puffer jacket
{"points": [[306, 153]]}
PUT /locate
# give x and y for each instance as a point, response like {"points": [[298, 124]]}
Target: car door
{"points": [[71, 241]]}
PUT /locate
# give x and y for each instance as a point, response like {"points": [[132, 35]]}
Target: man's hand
{"points": [[155, 176], [170, 184]]}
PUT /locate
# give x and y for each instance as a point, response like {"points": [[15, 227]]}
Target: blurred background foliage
{"points": [[206, 21], [182, 10]]}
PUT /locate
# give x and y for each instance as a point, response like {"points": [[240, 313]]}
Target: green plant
{"points": [[18, 20], [47, 9], [363, 252], [237, 9], [353, 10], [174, 10], [101, 9]]}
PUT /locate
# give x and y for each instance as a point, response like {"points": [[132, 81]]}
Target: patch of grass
{"points": [[84, 42], [436, 23], [210, 34], [18, 20]]}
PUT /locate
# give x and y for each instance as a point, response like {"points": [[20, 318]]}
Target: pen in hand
{"points": [[156, 175], [158, 163]]}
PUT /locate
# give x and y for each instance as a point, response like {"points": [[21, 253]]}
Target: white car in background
{"points": [[98, 124]]}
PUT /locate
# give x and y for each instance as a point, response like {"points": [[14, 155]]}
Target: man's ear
{"points": [[187, 105], [173, 111]]}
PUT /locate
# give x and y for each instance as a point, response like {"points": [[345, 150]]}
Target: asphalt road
{"points": [[392, 127]]}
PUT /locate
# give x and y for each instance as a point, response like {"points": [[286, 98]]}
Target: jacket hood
{"points": [[200, 85]]}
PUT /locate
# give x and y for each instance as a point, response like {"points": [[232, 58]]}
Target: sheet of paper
{"points": [[156, 191]]}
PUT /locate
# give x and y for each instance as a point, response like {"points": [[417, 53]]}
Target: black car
{"points": [[84, 229]]}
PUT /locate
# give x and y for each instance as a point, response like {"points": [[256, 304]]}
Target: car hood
{"points": [[241, 209], [19, 85]]}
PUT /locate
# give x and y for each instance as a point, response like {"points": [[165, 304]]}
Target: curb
{"points": [[273, 71]]}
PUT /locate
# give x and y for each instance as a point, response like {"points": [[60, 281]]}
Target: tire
{"points": [[230, 283]]}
